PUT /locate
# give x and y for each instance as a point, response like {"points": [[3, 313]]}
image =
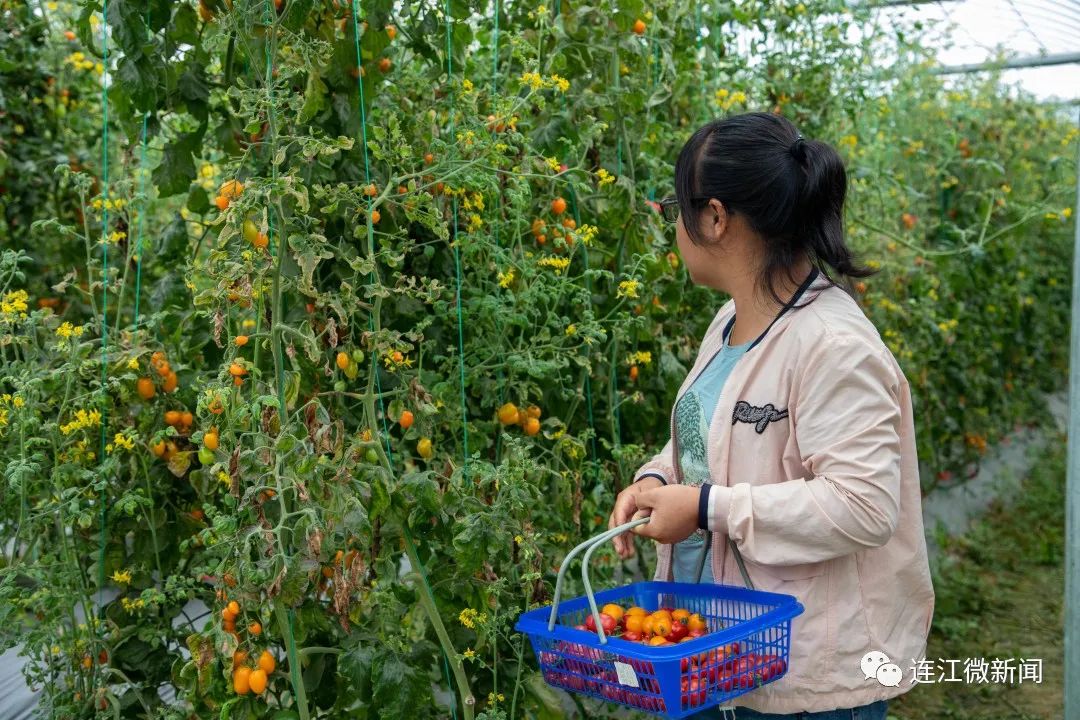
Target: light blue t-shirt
{"points": [[693, 414]]}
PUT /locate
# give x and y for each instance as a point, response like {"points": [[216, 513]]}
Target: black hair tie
{"points": [[798, 148]]}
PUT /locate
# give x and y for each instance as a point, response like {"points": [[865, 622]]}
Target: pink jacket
{"points": [[823, 501]]}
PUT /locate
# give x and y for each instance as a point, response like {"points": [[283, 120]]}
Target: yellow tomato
{"points": [[267, 662], [257, 681], [637, 611], [681, 615], [696, 622], [659, 640], [661, 627], [613, 610], [635, 623]]}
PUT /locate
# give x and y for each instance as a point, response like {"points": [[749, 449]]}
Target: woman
{"points": [[792, 443]]}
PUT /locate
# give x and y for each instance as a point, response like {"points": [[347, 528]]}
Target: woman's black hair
{"points": [[791, 193]]}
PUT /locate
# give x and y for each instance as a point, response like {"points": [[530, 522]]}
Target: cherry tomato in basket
{"points": [[606, 621], [631, 636], [678, 632]]}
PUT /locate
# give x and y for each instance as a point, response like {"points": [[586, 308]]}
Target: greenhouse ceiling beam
{"points": [[1021, 62]]}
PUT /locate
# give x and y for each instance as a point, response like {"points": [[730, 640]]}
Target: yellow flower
{"points": [[560, 83], [552, 163], [223, 478], [467, 85], [605, 178], [468, 617], [1066, 213], [14, 303], [67, 330], [518, 539], [83, 419], [628, 289], [475, 223], [468, 654], [641, 357], [556, 264], [571, 329], [18, 402], [130, 604], [121, 577], [849, 140], [506, 278], [587, 233], [532, 79], [123, 441]]}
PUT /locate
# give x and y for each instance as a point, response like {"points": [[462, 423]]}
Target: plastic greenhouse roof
{"points": [[977, 31]]}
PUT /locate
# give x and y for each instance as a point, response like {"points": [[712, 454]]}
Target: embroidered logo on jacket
{"points": [[759, 417]]}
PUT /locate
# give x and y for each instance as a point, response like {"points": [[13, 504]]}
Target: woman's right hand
{"points": [[625, 508]]}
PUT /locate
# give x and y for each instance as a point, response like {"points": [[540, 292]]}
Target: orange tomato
{"points": [[342, 360], [255, 628], [231, 189], [210, 441], [391, 32], [508, 414], [428, 158], [237, 370], [158, 448], [406, 419], [532, 426], [222, 203], [241, 340], [661, 626], [145, 387], [647, 625], [634, 623], [633, 373], [639, 27], [239, 657], [659, 640], [696, 622], [558, 206], [267, 662], [242, 680], [261, 240], [171, 382], [186, 418], [233, 607], [371, 190], [69, 34], [635, 610], [533, 412], [172, 417], [375, 217], [384, 65], [681, 615], [257, 681]]}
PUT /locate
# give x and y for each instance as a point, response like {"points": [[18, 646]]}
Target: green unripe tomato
{"points": [[358, 356], [206, 456], [371, 456], [351, 371], [339, 386], [251, 232]]}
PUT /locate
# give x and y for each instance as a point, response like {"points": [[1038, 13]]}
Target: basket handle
{"points": [[589, 544]]}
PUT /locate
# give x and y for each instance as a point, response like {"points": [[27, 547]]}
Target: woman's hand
{"points": [[625, 506], [672, 511]]}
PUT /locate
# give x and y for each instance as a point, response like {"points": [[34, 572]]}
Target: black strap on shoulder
{"points": [[787, 306]]}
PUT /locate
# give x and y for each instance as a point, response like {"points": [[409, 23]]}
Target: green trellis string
{"points": [[421, 570], [588, 288], [457, 249], [498, 197], [277, 250], [103, 497]]}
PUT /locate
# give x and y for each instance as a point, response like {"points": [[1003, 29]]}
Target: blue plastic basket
{"points": [[747, 645]]}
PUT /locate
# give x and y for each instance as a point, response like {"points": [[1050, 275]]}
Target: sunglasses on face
{"points": [[669, 206]]}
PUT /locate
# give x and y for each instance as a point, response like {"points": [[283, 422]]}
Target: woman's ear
{"points": [[716, 219]]}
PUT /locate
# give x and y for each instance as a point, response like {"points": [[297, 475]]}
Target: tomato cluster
{"points": [[665, 626]]}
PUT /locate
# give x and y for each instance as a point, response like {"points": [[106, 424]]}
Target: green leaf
{"points": [[177, 168], [139, 79], [314, 97]]}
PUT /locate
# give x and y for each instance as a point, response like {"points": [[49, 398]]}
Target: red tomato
{"points": [[631, 636]]}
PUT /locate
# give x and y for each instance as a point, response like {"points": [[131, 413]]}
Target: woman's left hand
{"points": [[673, 512]]}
